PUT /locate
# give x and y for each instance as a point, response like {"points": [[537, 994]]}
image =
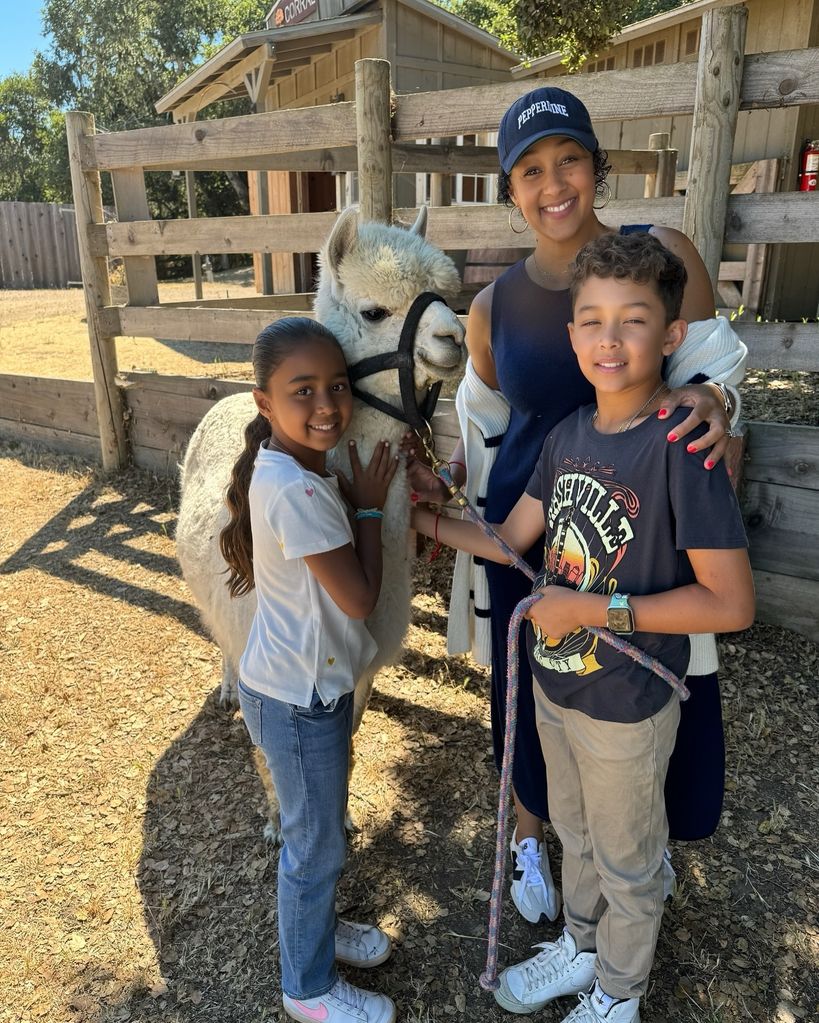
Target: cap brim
{"points": [[585, 138]]}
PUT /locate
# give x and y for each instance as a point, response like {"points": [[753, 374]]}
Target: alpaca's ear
{"points": [[341, 240], [420, 225]]}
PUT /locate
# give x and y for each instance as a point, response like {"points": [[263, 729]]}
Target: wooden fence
{"points": [[378, 133], [38, 245]]}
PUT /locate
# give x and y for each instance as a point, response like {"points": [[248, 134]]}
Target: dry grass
{"points": [[134, 884]]}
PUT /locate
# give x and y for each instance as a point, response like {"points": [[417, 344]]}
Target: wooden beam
{"points": [[719, 78], [233, 326], [781, 525], [788, 601], [131, 202], [372, 110], [88, 208], [782, 453], [177, 145]]}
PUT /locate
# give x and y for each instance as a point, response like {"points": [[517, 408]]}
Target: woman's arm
{"points": [[721, 600], [520, 530], [479, 337]]}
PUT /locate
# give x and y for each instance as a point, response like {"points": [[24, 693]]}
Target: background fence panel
{"points": [[38, 245]]}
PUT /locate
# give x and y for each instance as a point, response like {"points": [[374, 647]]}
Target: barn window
{"points": [[637, 57], [692, 41]]}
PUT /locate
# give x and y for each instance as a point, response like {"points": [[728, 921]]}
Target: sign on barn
{"points": [[291, 12]]}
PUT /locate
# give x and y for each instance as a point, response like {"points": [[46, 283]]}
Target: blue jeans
{"points": [[308, 752]]}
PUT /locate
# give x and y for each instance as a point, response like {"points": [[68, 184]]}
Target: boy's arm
{"points": [[520, 530], [721, 600]]}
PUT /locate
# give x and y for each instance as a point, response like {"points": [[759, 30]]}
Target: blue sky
{"points": [[20, 37]]}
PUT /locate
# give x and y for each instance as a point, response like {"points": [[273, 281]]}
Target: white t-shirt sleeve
{"points": [[307, 517]]}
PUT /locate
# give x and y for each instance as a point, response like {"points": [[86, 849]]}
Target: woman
{"points": [[522, 367]]}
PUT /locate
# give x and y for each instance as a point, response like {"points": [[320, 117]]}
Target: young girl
{"points": [[316, 580]]}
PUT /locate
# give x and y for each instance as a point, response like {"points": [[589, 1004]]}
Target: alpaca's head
{"points": [[370, 275]]}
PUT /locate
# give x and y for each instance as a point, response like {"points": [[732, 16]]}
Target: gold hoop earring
{"points": [[512, 228], [603, 192]]}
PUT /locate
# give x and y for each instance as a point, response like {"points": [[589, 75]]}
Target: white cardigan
{"points": [[711, 348]]}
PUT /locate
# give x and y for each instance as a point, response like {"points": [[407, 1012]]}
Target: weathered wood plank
{"points": [[298, 300], [180, 324], [781, 523], [212, 388], [787, 601], [372, 99], [52, 439], [67, 405], [778, 218], [791, 346], [781, 453], [132, 204]]}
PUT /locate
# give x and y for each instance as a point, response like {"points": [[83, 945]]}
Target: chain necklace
{"points": [[642, 408], [547, 277]]}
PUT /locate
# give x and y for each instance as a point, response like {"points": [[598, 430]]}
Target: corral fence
{"points": [[38, 245], [148, 418]]}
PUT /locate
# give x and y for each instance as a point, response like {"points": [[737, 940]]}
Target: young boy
{"points": [[638, 539]]}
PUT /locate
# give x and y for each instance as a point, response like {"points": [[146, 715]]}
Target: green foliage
{"points": [[578, 29], [33, 151]]}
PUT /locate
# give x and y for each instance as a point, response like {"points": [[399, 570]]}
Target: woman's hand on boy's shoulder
{"points": [[706, 407]]}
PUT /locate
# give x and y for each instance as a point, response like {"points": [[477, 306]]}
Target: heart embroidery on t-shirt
{"points": [[331, 660], [309, 491]]}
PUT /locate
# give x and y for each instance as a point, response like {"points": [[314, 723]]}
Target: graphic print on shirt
{"points": [[588, 529]]}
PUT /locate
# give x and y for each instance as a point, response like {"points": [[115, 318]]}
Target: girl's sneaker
{"points": [[361, 945], [556, 971], [343, 1003], [533, 890]]}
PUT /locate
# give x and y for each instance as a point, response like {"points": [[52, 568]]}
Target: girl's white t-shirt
{"points": [[300, 638]]}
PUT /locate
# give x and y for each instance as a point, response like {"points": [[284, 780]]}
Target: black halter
{"points": [[414, 414]]}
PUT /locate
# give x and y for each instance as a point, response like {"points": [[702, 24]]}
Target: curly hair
{"points": [[637, 257], [600, 162], [272, 346]]}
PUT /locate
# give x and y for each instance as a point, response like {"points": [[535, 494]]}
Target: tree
{"points": [[577, 29], [33, 161]]}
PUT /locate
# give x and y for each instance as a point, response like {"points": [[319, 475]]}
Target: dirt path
{"points": [[134, 884]]}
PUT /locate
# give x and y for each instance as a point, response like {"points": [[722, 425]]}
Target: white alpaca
{"points": [[369, 277]]}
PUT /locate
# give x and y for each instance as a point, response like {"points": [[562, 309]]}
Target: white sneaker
{"points": [[343, 1003], [591, 1009], [533, 890], [669, 877], [556, 971], [361, 945]]}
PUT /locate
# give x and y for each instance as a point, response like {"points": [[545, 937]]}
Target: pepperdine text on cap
{"points": [[539, 114]]}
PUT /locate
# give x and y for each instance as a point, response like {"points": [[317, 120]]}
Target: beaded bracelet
{"points": [[368, 513]]}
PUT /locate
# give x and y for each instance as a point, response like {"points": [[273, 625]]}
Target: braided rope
{"points": [[489, 978]]}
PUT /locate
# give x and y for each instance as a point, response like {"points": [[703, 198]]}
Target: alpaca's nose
{"points": [[451, 336]]}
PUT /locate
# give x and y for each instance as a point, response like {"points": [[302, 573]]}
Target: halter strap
{"points": [[412, 413]]}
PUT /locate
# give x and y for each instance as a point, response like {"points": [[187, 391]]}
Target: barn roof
{"points": [[222, 76]]}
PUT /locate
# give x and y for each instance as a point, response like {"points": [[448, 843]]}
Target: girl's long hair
{"points": [[271, 347]]}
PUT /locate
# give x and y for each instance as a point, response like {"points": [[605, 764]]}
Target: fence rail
{"points": [[38, 245]]}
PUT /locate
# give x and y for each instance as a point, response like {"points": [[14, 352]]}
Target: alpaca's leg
{"points": [[229, 691], [273, 829]]}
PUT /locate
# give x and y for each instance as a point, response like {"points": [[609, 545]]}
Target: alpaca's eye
{"points": [[375, 315]]}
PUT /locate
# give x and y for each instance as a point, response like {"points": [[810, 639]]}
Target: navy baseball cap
{"points": [[539, 114]]}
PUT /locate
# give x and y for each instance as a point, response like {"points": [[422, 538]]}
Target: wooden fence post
{"points": [[716, 104], [661, 182], [88, 209], [374, 138]]}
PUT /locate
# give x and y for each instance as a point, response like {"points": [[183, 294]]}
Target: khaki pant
{"points": [[606, 803]]}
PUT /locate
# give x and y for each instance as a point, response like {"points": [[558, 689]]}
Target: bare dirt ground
{"points": [[134, 882]]}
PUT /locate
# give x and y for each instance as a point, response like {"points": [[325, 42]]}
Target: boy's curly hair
{"points": [[638, 257]]}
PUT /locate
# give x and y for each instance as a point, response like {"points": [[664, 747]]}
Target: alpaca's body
{"points": [[376, 268]]}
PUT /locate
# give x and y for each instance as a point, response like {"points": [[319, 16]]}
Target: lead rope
{"points": [[489, 978]]}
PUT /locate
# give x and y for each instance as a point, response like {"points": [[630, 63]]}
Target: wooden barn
{"points": [[305, 56], [790, 288]]}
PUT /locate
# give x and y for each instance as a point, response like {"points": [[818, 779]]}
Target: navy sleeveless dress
{"points": [[539, 376]]}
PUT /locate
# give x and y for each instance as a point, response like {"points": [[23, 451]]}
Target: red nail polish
{"points": [[730, 472], [691, 449], [663, 413], [709, 464], [672, 436], [413, 497]]}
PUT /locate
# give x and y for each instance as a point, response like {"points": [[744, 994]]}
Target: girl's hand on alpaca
{"points": [[557, 613], [369, 486], [707, 408], [424, 484]]}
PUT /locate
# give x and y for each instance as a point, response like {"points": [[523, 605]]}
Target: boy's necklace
{"points": [[642, 408]]}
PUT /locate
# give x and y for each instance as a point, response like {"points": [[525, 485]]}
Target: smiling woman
{"points": [[553, 181]]}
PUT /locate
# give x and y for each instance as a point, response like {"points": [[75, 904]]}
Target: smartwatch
{"points": [[619, 616]]}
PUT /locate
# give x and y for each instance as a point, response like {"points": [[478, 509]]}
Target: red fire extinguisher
{"points": [[808, 180]]}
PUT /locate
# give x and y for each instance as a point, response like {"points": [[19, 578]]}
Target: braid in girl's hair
{"points": [[271, 347]]}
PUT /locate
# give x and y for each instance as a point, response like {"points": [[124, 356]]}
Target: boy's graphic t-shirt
{"points": [[621, 510]]}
